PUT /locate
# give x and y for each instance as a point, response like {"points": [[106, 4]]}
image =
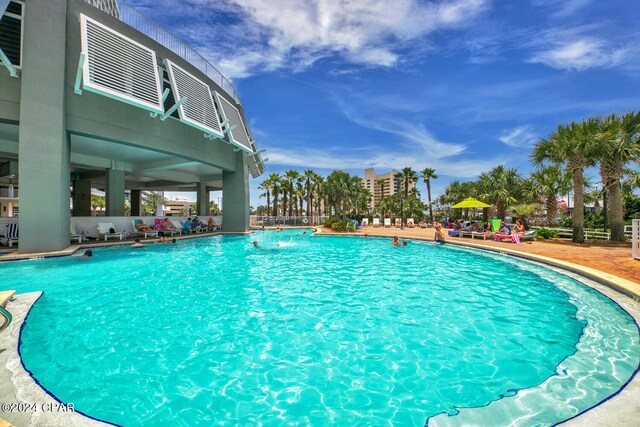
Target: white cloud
{"points": [[522, 136], [580, 54], [294, 34]]}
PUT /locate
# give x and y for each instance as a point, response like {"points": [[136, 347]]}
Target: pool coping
{"points": [[616, 410]]}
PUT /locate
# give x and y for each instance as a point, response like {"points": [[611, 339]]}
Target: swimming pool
{"points": [[317, 330]]}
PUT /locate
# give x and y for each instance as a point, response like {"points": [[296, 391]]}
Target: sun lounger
{"points": [[453, 233], [73, 235], [180, 226], [398, 222], [104, 230], [152, 233], [473, 234], [529, 235], [422, 224], [411, 223], [376, 222], [387, 222], [515, 238], [365, 223], [11, 235]]}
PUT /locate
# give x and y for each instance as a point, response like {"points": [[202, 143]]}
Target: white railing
{"points": [[270, 221], [635, 239], [147, 26], [593, 233]]}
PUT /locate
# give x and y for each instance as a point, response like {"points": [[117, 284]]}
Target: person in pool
{"points": [[439, 236], [87, 254], [138, 244], [395, 241], [255, 244]]}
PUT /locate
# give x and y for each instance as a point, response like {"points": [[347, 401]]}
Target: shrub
{"points": [[545, 233]]}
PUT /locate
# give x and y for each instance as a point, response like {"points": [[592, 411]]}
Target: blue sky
{"points": [[457, 85]]}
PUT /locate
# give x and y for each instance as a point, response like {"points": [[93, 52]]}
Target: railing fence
{"points": [[589, 233], [635, 239], [272, 221]]}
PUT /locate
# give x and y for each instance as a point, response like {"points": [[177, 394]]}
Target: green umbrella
{"points": [[470, 203]]}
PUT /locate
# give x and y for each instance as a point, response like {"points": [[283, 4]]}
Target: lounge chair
{"points": [[387, 222], [104, 230], [376, 222], [499, 237], [473, 234], [411, 223], [152, 233], [398, 222], [365, 223], [11, 235], [180, 227], [454, 233], [529, 235], [73, 235]]}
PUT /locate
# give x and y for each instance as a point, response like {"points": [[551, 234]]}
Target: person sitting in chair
{"points": [[518, 228], [142, 227], [167, 225], [504, 228]]}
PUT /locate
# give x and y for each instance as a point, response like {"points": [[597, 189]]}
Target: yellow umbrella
{"points": [[470, 203]]}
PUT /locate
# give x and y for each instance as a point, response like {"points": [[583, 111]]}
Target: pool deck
{"points": [[610, 265]]}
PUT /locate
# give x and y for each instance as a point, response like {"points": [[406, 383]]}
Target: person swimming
{"points": [[138, 244], [395, 241], [87, 254], [255, 244]]}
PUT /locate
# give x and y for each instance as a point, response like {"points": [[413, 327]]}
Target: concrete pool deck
{"points": [[17, 385]]}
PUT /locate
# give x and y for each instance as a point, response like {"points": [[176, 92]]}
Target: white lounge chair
{"points": [[73, 235], [104, 230], [152, 233], [376, 222], [180, 226], [398, 222], [387, 222], [410, 223], [11, 235]]}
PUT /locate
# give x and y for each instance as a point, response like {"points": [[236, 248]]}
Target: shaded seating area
{"points": [[108, 229], [11, 234]]}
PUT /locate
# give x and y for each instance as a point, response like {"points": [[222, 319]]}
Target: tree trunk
{"points": [[616, 211], [429, 199], [552, 210], [268, 203], [578, 205]]}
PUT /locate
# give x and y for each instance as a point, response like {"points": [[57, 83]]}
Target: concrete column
{"points": [[202, 199], [114, 193], [235, 197], [43, 152], [136, 202], [81, 198]]}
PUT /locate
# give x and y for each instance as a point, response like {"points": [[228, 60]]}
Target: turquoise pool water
{"points": [[318, 330]]}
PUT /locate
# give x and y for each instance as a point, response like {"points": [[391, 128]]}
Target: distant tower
{"points": [[109, 6]]}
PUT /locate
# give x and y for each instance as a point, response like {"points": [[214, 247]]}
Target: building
{"points": [[96, 96], [178, 207], [383, 185]]}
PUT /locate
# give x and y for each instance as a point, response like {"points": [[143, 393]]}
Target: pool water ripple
{"points": [[316, 330]]}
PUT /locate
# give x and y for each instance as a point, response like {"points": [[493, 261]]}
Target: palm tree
{"points": [[274, 178], [151, 200], [97, 203], [291, 179], [548, 182], [500, 187], [308, 180], [427, 175], [574, 145], [620, 145], [407, 176], [631, 180], [214, 209], [381, 183], [267, 186]]}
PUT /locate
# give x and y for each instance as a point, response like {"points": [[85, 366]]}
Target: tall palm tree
{"points": [[267, 186], [427, 175], [291, 179], [574, 145], [407, 176], [274, 178], [308, 182], [548, 182], [500, 187], [620, 145]]}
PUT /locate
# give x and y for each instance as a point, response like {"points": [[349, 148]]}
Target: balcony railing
{"points": [[147, 26]]}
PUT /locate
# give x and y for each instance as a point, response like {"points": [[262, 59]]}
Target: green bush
{"points": [[545, 233]]}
